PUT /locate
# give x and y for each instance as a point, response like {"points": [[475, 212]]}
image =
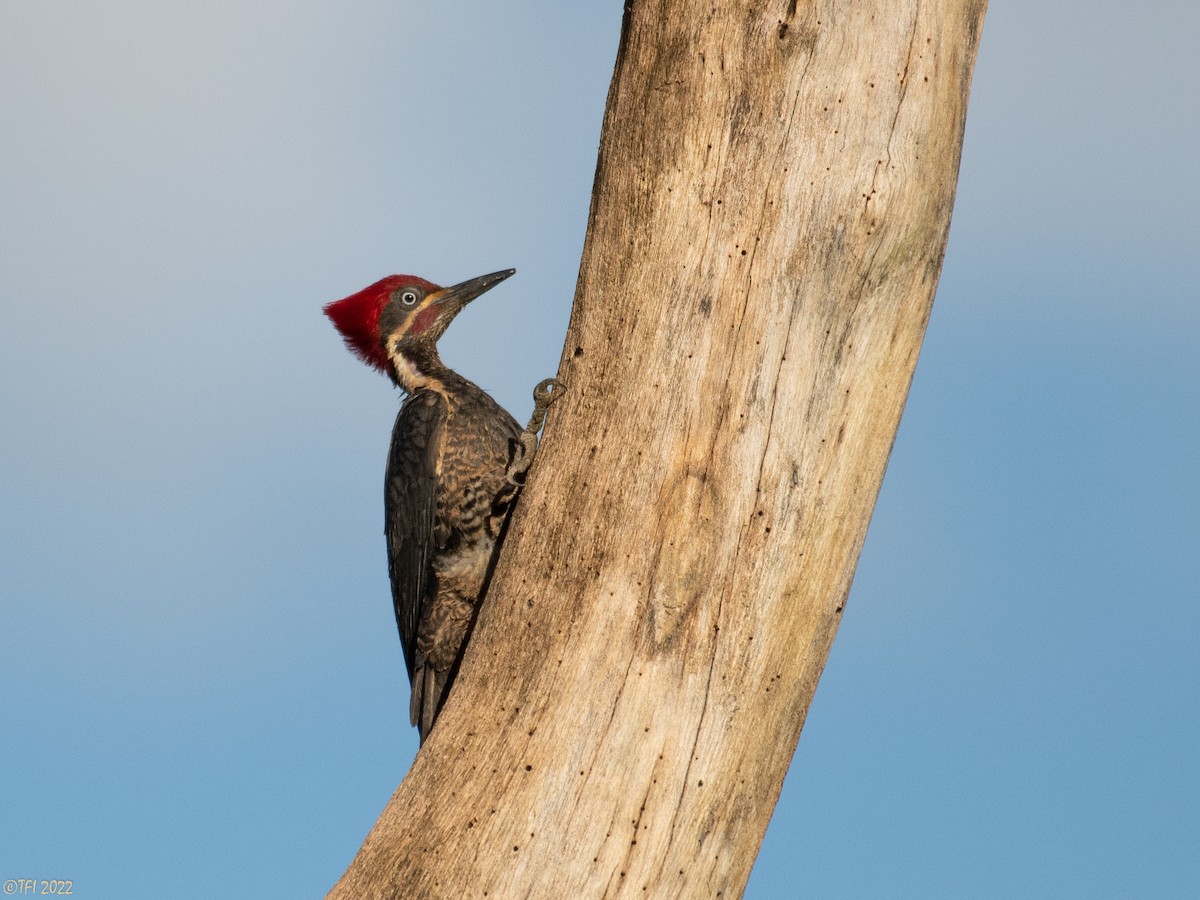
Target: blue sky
{"points": [[201, 686]]}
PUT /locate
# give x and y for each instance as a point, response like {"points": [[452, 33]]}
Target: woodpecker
{"points": [[456, 462]]}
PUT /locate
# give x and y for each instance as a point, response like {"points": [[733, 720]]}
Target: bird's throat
{"points": [[415, 368]]}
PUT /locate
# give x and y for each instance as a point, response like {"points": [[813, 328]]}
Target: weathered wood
{"points": [[768, 221]]}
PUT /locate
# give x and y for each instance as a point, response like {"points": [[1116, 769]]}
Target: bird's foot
{"points": [[525, 447]]}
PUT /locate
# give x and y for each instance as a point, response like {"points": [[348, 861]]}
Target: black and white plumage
{"points": [[449, 473], [446, 479]]}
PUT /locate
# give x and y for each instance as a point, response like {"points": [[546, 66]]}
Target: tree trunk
{"points": [[768, 220]]}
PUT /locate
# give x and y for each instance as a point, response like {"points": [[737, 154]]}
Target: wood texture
{"points": [[769, 215]]}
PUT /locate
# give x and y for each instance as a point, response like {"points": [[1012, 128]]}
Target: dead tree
{"points": [[768, 220]]}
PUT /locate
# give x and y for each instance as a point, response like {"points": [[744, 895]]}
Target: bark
{"points": [[769, 215]]}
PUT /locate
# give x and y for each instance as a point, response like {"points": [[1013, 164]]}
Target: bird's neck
{"points": [[416, 366]]}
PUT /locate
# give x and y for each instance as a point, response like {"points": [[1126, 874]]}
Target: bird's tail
{"points": [[428, 685]]}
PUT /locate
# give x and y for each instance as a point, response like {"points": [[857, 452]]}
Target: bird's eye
{"points": [[408, 298]]}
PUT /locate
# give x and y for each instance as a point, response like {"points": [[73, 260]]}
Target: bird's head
{"points": [[402, 316]]}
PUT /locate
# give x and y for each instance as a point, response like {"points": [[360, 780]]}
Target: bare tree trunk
{"points": [[768, 221]]}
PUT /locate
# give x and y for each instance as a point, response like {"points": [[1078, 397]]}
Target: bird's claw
{"points": [[525, 447], [544, 394]]}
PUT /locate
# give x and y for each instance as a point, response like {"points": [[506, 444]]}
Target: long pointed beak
{"points": [[459, 295]]}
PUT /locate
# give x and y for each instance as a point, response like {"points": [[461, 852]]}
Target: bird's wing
{"points": [[410, 504]]}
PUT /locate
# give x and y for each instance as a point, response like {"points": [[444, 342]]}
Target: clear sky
{"points": [[201, 687]]}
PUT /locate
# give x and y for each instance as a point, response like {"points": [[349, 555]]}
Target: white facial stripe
{"points": [[411, 378]]}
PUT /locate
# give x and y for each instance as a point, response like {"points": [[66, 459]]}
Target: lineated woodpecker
{"points": [[456, 462]]}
